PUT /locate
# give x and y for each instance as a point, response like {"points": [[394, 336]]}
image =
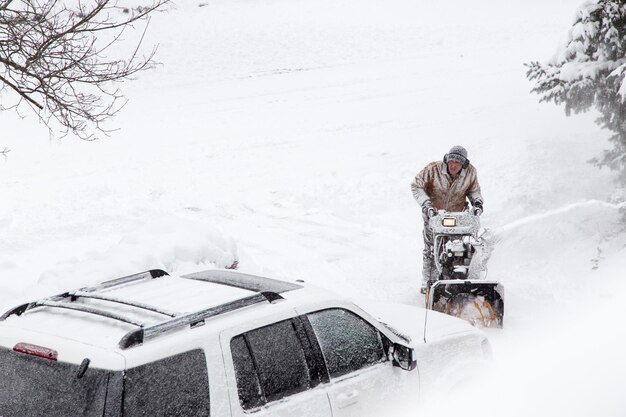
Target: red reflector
{"points": [[34, 350]]}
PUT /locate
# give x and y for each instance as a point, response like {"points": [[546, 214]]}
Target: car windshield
{"points": [[34, 387]]}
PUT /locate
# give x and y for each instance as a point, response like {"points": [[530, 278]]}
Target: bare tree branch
{"points": [[57, 59], [21, 93]]}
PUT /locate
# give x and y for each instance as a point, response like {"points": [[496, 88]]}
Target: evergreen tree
{"points": [[590, 70]]}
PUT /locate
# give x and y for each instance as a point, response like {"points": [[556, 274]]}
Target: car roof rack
{"points": [[266, 290], [194, 319], [89, 292]]}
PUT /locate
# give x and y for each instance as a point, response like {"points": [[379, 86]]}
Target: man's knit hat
{"points": [[458, 154]]}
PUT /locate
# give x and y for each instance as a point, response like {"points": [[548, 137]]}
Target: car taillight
{"points": [[34, 350]]}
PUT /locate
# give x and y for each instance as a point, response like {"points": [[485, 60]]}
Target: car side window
{"points": [[270, 364], [248, 385], [348, 342], [172, 387]]}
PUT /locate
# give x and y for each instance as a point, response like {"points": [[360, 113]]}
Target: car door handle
{"points": [[346, 399]]}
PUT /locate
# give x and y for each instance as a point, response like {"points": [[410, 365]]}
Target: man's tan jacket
{"points": [[446, 193]]}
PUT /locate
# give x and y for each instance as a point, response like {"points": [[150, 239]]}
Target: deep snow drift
{"points": [[285, 133]]}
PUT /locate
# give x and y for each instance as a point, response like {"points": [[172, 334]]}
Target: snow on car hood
{"points": [[409, 320]]}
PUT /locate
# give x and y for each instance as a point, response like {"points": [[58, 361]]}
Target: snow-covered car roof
{"points": [[214, 298]]}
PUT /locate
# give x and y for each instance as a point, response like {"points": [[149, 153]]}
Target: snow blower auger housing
{"points": [[460, 289]]}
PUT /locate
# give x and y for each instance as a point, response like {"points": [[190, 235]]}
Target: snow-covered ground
{"points": [[286, 133]]}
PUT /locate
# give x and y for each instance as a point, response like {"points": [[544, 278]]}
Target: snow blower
{"points": [[461, 289]]}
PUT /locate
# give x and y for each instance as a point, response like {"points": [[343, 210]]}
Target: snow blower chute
{"points": [[459, 254]]}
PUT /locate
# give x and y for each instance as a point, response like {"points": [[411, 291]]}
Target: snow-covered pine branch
{"points": [[589, 70]]}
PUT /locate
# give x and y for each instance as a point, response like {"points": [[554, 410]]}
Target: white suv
{"points": [[220, 343]]}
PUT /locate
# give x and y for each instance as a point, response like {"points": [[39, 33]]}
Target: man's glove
{"points": [[428, 210], [477, 207]]}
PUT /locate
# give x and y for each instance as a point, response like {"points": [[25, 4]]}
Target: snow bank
{"points": [[553, 258], [174, 244]]}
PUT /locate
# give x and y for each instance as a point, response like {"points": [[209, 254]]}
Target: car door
{"points": [[363, 381], [275, 372]]}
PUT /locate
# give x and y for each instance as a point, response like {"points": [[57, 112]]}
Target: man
{"points": [[444, 186]]}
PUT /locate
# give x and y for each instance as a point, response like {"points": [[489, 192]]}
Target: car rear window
{"points": [[30, 386], [34, 387]]}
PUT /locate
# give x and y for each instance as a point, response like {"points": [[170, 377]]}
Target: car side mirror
{"points": [[404, 357]]}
